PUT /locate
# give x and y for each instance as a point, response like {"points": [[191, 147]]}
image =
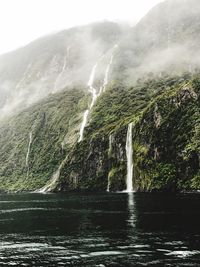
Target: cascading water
{"points": [[109, 153], [105, 81], [54, 179], [90, 85], [94, 97], [84, 122], [49, 187], [129, 155], [93, 90], [29, 147]]}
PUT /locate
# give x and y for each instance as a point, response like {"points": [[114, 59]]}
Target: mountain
{"points": [[165, 40], [54, 62], [105, 106]]}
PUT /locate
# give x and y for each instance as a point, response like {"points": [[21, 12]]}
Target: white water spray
{"points": [[29, 147], [129, 155], [84, 122]]}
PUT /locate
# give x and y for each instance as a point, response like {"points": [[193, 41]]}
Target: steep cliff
{"points": [[165, 140]]}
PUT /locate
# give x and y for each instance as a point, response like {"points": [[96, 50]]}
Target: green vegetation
{"points": [[166, 132], [51, 122], [165, 112], [171, 161]]}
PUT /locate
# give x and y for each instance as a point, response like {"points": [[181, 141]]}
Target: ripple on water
{"points": [[97, 231], [183, 253]]}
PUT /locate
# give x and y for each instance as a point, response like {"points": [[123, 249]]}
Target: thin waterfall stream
{"points": [[129, 155], [93, 90]]}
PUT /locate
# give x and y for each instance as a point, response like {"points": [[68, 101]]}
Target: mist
{"points": [[19, 26], [163, 41]]}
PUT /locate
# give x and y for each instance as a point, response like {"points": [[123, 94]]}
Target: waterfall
{"points": [[84, 122], [50, 186], [54, 179], [108, 185], [105, 81], [110, 144], [129, 155], [109, 152], [29, 147], [93, 91]]}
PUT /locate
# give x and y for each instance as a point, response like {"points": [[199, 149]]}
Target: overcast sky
{"points": [[22, 21]]}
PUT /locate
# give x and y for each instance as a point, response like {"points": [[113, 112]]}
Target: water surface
{"points": [[100, 230]]}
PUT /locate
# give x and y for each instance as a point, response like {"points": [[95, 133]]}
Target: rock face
{"points": [[122, 77], [165, 154]]}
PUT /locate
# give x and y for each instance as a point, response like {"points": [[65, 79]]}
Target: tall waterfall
{"points": [[29, 147], [129, 155], [109, 152], [84, 122], [93, 91], [90, 85], [105, 80]]}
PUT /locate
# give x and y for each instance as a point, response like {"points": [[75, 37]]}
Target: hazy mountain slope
{"points": [[49, 64], [167, 39]]}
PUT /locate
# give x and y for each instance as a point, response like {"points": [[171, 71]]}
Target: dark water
{"points": [[100, 230]]}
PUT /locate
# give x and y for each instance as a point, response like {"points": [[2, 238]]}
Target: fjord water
{"points": [[124, 229]]}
